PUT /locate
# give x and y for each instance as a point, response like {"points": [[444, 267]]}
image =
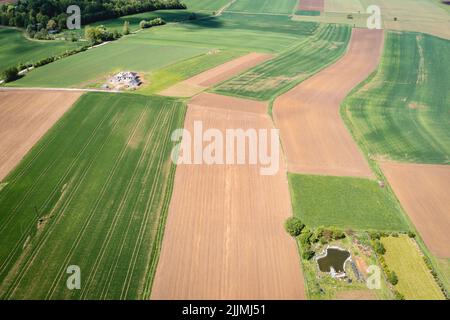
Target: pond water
{"points": [[334, 258]]}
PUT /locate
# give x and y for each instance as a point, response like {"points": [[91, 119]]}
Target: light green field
{"points": [[264, 6], [355, 203], [130, 53], [403, 112], [165, 77], [208, 5], [415, 281], [93, 192], [249, 32], [134, 19], [275, 76], [15, 48]]}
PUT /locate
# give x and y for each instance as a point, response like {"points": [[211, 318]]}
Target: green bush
{"points": [[294, 226], [392, 277], [10, 74], [305, 237], [411, 234], [378, 247], [398, 295]]}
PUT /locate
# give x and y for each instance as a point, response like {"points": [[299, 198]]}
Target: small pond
{"points": [[334, 257]]}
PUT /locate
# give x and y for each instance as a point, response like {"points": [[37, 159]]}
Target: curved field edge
{"points": [[102, 205], [401, 112], [439, 265], [290, 67]]}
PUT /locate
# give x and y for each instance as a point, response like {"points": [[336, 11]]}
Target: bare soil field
{"points": [[224, 237], [311, 5], [423, 191], [314, 137], [25, 116], [215, 75]]}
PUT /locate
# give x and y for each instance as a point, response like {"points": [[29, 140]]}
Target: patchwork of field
{"points": [[290, 67], [168, 76], [264, 6], [93, 192], [344, 202], [403, 112], [95, 65], [315, 139], [247, 32], [224, 237], [215, 75], [428, 16], [423, 192], [25, 117], [15, 48], [415, 281]]}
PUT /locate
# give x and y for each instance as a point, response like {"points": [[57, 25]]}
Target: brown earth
{"points": [[311, 5], [224, 237], [315, 138], [423, 191], [25, 116], [211, 77]]}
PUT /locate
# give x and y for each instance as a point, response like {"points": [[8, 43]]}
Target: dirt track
{"points": [[215, 75], [423, 191], [314, 137], [224, 237], [25, 116]]}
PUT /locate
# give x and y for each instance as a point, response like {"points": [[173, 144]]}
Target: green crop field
{"points": [[403, 112], [15, 48], [165, 77], [264, 6], [129, 53], [249, 32], [415, 281], [134, 19], [292, 66], [209, 5], [355, 203], [94, 192]]}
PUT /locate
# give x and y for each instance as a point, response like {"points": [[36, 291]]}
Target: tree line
{"points": [[44, 14]]}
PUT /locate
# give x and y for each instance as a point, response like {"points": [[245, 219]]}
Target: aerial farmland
{"points": [[247, 150]]}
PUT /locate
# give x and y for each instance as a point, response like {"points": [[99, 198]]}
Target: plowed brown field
{"points": [[25, 116], [215, 75], [311, 5], [315, 139], [224, 237], [423, 191]]}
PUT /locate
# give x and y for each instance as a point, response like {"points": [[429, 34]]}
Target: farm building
{"points": [[125, 79]]}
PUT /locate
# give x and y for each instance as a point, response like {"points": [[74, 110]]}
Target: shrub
{"points": [[305, 237], [398, 295], [10, 74], [126, 28], [294, 226], [308, 254], [378, 247], [152, 23], [411, 234], [392, 277]]}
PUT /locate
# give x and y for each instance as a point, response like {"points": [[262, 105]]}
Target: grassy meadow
{"points": [[94, 192], [264, 6], [415, 281], [344, 202], [15, 48], [403, 112], [289, 68]]}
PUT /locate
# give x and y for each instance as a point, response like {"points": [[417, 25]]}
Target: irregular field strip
{"points": [[313, 134], [291, 66], [105, 204], [215, 75], [403, 112], [224, 237]]}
